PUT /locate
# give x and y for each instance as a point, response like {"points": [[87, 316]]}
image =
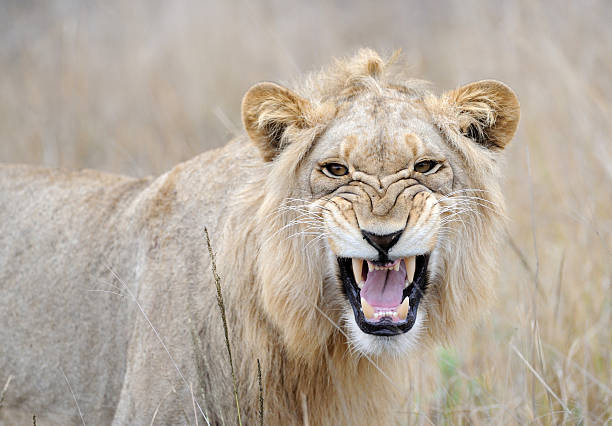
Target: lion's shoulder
{"points": [[61, 196]]}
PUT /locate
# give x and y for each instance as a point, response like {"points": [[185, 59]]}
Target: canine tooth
{"points": [[357, 268], [402, 310], [410, 267], [368, 311]]}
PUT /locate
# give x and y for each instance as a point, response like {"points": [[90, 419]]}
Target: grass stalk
{"points": [[6, 385], [224, 319], [261, 399]]}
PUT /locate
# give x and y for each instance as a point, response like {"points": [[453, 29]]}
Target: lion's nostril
{"points": [[382, 243]]}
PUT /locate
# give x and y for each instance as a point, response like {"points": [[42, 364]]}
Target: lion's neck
{"points": [[309, 372], [334, 387]]}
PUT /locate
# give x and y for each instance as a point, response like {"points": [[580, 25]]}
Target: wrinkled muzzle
{"points": [[383, 246]]}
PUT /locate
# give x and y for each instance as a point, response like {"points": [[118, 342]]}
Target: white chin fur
{"points": [[370, 345]]}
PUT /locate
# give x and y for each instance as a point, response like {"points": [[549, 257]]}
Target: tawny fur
{"points": [[65, 234]]}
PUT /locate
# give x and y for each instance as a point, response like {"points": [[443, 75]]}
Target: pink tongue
{"points": [[384, 288]]}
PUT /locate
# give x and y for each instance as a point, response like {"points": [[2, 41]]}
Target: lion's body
{"points": [[63, 314], [54, 318], [107, 291], [49, 319]]}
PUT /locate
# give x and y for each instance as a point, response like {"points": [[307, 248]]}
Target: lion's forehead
{"points": [[382, 138]]}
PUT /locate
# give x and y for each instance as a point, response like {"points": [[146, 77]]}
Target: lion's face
{"points": [[371, 185], [375, 177]]}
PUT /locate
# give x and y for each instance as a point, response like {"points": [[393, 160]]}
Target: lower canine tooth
{"points": [[402, 310], [368, 311]]}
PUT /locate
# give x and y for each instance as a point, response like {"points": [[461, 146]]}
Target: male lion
{"points": [[356, 220]]}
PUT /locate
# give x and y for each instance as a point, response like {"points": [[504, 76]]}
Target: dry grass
{"points": [[133, 87]]}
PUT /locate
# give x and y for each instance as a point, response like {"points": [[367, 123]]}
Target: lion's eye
{"points": [[335, 170], [425, 166]]}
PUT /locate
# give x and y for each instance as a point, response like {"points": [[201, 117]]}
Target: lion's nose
{"points": [[382, 243]]}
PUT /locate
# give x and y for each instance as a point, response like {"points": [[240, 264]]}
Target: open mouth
{"points": [[385, 297]]}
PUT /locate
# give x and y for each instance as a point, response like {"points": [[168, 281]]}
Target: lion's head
{"points": [[382, 205]]}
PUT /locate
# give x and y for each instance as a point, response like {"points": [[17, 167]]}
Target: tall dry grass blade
{"points": [[195, 412], [540, 379], [73, 396], [34, 420], [522, 258], [534, 298], [261, 398], [224, 319], [5, 388], [159, 405], [603, 387]]}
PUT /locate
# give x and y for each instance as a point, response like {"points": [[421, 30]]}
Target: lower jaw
{"points": [[385, 326]]}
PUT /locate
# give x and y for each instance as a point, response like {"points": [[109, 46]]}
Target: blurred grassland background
{"points": [[135, 87]]}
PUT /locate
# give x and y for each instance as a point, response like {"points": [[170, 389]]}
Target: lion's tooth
{"points": [[368, 311], [402, 310], [371, 266], [397, 266], [410, 267], [357, 268]]}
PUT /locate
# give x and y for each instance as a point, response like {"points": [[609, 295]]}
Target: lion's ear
{"points": [[267, 111], [489, 112]]}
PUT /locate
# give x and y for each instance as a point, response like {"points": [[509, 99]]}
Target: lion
{"points": [[354, 224]]}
